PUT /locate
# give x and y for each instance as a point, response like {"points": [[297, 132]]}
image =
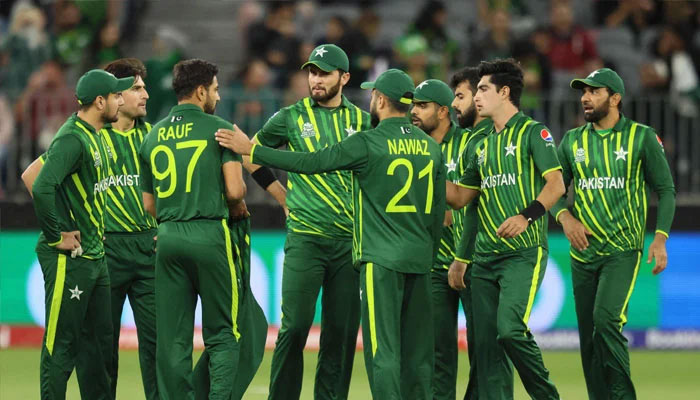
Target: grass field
{"points": [[657, 375]]}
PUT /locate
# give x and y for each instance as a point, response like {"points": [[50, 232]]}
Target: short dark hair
{"points": [[188, 75], [127, 67], [610, 93], [397, 105], [504, 72], [466, 74]]}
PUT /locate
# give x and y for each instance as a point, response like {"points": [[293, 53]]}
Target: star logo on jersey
{"points": [[320, 52], [510, 149], [621, 154], [451, 166], [307, 130], [421, 85], [580, 155], [75, 293], [350, 131]]}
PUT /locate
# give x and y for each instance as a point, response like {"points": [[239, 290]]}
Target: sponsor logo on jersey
{"points": [[307, 130], [602, 182], [101, 186], [658, 139], [498, 180], [123, 180], [546, 136], [580, 155]]}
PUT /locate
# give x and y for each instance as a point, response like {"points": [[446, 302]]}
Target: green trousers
{"points": [[312, 262], [503, 293], [195, 258], [397, 333], [251, 323], [131, 262], [602, 290], [78, 326]]}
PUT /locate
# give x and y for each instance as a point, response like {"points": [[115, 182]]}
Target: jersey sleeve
{"points": [[274, 132], [560, 206], [658, 175], [467, 242], [471, 178], [439, 205], [543, 150], [146, 177], [226, 154], [350, 154], [62, 159]]}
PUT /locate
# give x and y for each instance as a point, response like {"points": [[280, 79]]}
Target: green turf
{"points": [[657, 375]]}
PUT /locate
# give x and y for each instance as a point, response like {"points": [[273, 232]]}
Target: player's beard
{"points": [[466, 119], [330, 93], [599, 112], [210, 105], [110, 116], [374, 117], [427, 126]]}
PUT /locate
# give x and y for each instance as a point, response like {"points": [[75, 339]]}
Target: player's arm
{"points": [[29, 175], [461, 194], [438, 209], [63, 159], [146, 182], [266, 179], [658, 175], [544, 155]]}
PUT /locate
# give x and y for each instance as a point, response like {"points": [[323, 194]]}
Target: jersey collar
{"points": [[450, 132], [186, 106], [513, 120], [344, 102], [620, 126], [138, 123], [77, 119], [483, 124], [394, 120]]}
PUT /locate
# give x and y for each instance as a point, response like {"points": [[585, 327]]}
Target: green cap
{"points": [[604, 77], [98, 82], [434, 90], [395, 84], [328, 57]]}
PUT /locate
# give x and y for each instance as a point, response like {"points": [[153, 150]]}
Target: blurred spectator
{"points": [[442, 50], [274, 39], [636, 15], [297, 87], [366, 28], [72, 38], [168, 46], [24, 49], [7, 130], [250, 100], [106, 45], [571, 47], [536, 71], [411, 53], [496, 42]]}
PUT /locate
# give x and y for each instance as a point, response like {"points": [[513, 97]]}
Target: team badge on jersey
{"points": [[482, 157], [98, 159], [580, 155], [307, 130]]}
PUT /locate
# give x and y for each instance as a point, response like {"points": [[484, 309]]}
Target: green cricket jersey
{"points": [[508, 168], [398, 185], [72, 183], [319, 204], [610, 172], [452, 146], [181, 165], [466, 220], [125, 212]]}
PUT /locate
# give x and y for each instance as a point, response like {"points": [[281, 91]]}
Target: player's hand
{"points": [[657, 251], [455, 275], [286, 211], [240, 211], [448, 218], [234, 140], [575, 231], [71, 241], [512, 227]]}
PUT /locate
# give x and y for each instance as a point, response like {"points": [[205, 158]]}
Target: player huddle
{"points": [[397, 214]]}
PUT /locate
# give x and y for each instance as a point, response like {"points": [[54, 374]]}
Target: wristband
{"points": [[264, 177], [533, 212]]}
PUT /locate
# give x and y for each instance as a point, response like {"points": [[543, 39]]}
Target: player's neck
{"points": [[608, 122], [124, 123], [92, 117], [477, 120], [332, 103], [440, 132], [192, 100], [501, 118]]}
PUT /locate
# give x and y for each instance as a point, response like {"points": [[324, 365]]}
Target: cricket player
{"points": [[398, 178], [611, 161], [431, 113], [187, 181], [69, 201], [517, 174], [318, 248], [129, 230]]}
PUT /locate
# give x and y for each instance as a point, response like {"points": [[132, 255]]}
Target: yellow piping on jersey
{"points": [[56, 298], [369, 288], [623, 312], [234, 279], [533, 287]]}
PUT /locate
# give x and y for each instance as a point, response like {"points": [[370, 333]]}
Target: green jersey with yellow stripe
{"points": [[69, 190], [181, 165], [465, 220], [610, 171], [125, 212], [319, 204], [508, 169]]}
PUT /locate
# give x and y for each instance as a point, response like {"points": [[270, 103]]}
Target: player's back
{"points": [[184, 165], [400, 196]]}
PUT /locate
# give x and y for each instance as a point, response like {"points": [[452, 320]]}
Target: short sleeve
{"points": [[543, 149], [471, 178], [274, 132]]}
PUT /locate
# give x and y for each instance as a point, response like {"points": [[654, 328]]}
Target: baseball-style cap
{"points": [[395, 84], [604, 77], [328, 57], [98, 82], [433, 90]]}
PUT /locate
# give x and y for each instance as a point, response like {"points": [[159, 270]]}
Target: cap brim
{"points": [[581, 83], [423, 100], [124, 84], [367, 85], [320, 64]]}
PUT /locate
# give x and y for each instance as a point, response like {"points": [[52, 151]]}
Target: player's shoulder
{"points": [[216, 120]]}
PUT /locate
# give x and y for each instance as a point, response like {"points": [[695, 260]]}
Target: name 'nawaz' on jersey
{"points": [[408, 146]]}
